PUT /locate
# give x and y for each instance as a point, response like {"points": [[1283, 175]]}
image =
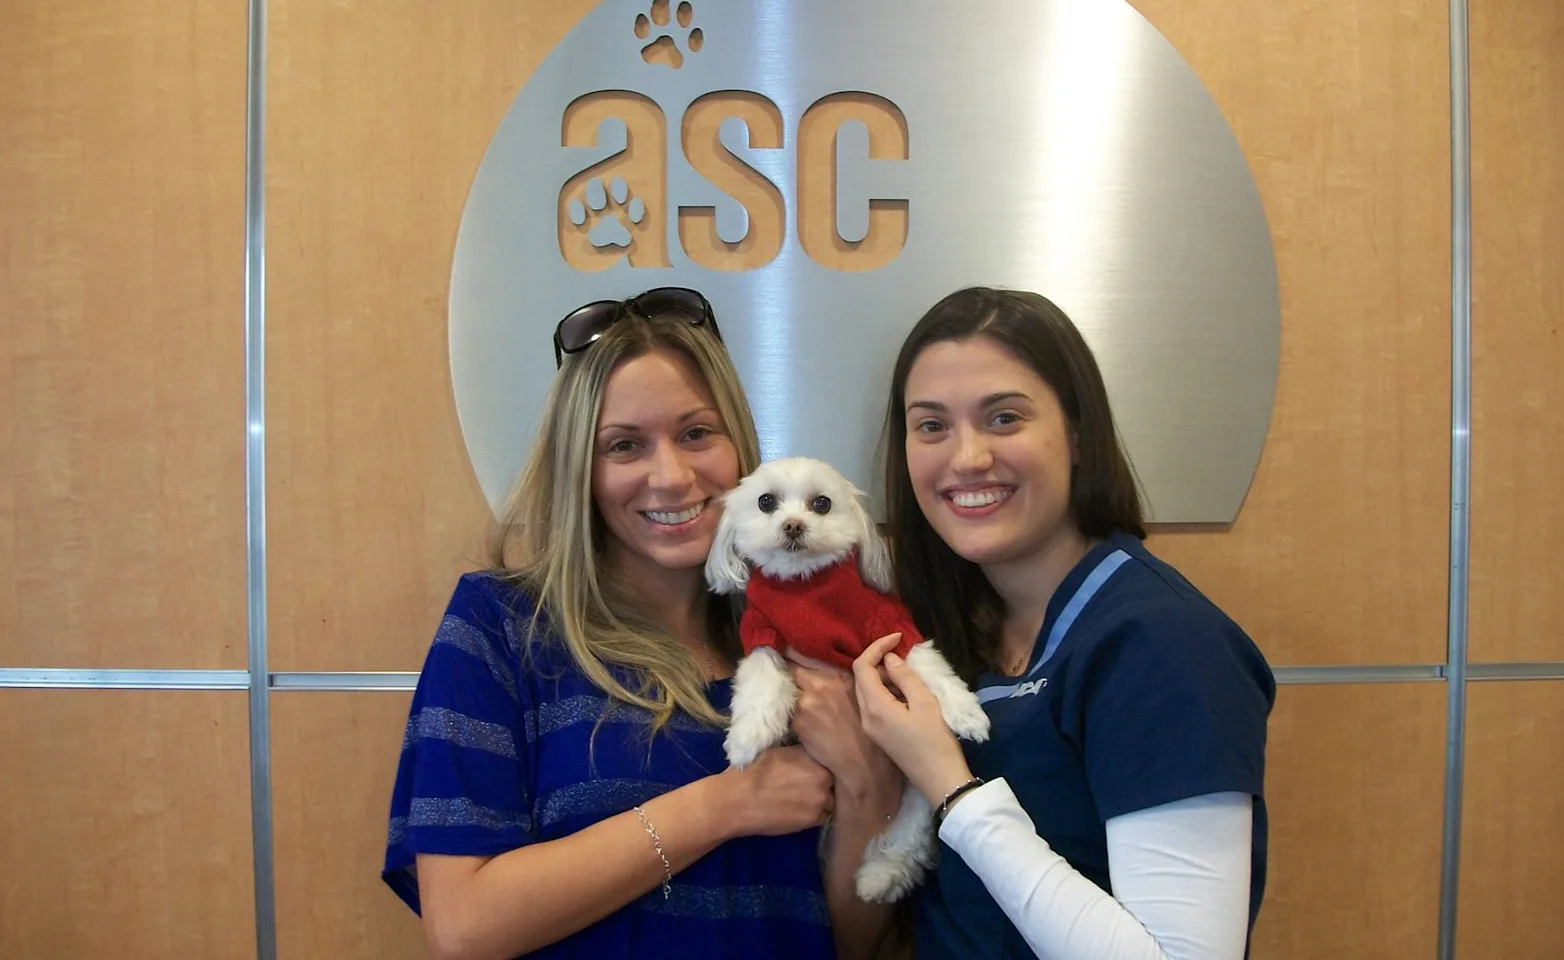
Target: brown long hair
{"points": [[949, 597]]}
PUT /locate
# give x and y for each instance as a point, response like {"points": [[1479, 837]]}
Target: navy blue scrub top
{"points": [[1140, 692]]}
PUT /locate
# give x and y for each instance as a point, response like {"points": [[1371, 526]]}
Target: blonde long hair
{"points": [[550, 539]]}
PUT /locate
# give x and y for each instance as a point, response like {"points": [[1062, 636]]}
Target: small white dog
{"points": [[817, 579]]}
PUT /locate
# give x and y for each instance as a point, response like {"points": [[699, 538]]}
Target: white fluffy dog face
{"points": [[790, 518]]}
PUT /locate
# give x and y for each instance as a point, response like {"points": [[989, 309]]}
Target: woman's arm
{"points": [[858, 926], [1155, 855], [1180, 875], [493, 908], [867, 795]]}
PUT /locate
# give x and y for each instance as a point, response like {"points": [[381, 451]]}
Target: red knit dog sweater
{"points": [[831, 616]]}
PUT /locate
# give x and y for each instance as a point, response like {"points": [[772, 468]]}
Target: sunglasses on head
{"points": [[583, 326]]}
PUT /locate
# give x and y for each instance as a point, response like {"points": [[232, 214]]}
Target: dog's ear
{"points": [[726, 571], [874, 557]]}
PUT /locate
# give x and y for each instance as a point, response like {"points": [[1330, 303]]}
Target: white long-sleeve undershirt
{"points": [[1179, 871]]}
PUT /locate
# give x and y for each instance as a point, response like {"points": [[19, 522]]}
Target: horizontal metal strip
{"points": [[64, 678], [124, 679], [344, 681], [87, 679], [1534, 670], [1366, 673]]}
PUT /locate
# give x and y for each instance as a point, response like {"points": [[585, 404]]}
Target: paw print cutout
{"points": [[665, 49], [607, 220]]}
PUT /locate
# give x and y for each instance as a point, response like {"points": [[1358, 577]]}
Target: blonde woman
{"points": [[562, 790]]}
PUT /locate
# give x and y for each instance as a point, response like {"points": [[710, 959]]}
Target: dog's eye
{"points": [[820, 505], [768, 503]]}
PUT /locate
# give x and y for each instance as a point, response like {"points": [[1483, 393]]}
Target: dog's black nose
{"points": [[792, 529]]}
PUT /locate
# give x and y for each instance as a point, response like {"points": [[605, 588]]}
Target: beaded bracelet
{"points": [[952, 796], [657, 844]]}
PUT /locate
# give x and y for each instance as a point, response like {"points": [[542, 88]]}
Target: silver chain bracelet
{"points": [[657, 844]]}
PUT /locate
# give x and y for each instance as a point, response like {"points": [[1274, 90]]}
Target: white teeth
{"points": [[683, 516], [980, 499]]}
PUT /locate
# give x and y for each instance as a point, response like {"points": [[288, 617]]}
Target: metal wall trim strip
{"points": [[57, 678], [255, 480], [1367, 673], [389, 680], [73, 678], [1531, 670], [1460, 471]]}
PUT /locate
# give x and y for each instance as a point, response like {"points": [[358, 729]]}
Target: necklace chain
{"points": [[711, 664]]}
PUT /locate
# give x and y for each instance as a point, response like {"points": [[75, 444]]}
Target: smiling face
{"points": [[662, 456], [990, 452]]}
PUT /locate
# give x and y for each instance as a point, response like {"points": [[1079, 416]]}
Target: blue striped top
{"points": [[496, 756]]}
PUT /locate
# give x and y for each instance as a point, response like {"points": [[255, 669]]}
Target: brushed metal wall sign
{"points": [[825, 172]]}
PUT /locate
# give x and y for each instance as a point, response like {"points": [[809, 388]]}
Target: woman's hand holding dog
{"points": [[909, 729], [868, 794], [827, 723], [783, 791]]}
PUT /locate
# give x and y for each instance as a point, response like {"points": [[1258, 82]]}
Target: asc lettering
{"points": [[643, 169]]}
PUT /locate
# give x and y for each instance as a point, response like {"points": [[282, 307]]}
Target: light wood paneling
{"points": [[1338, 555], [334, 758], [125, 825], [1517, 96], [378, 117], [122, 344], [1512, 829], [1355, 784]]}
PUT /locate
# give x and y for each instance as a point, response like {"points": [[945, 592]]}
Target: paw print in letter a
{"points": [[607, 220], [665, 49]]}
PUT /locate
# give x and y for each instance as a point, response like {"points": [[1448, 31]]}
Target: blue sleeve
{"points": [[1175, 706], [463, 785]]}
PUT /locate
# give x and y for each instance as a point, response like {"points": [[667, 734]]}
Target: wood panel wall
{"points": [[1338, 556], [1512, 849], [125, 825], [1517, 57], [124, 815], [336, 756], [121, 471], [1355, 794], [121, 287], [378, 117]]}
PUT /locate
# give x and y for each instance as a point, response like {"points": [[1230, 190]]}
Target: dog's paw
{"points": [[897, 859], [966, 718], [762, 708], [886, 880], [958, 705], [748, 737], [740, 755]]}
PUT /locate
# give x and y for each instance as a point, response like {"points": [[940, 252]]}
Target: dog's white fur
{"points": [[746, 535], [763, 691]]}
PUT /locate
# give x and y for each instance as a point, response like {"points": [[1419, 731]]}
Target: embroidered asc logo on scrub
{"points": [[1029, 687]]}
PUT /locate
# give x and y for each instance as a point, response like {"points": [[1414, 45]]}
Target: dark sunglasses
{"points": [[582, 327]]}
